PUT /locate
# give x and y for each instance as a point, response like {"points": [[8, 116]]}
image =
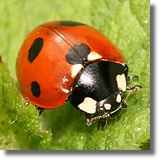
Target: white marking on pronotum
{"points": [[121, 82], [88, 105]]}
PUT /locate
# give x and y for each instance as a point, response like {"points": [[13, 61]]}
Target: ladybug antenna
{"points": [[97, 117]]}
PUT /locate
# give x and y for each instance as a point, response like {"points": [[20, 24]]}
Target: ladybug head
{"points": [[99, 90]]}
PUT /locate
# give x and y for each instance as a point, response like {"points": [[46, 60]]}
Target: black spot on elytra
{"points": [[35, 88], [71, 23], [35, 49], [78, 54]]}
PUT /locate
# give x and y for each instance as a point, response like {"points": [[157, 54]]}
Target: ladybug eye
{"points": [[100, 110]]}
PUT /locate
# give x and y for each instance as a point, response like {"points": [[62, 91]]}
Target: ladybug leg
{"points": [[124, 106], [133, 89], [129, 78], [88, 117], [89, 122], [40, 110], [102, 122]]}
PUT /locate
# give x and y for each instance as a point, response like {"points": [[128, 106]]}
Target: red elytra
{"points": [[47, 67]]}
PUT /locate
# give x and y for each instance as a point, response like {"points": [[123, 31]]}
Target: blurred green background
{"points": [[124, 22]]}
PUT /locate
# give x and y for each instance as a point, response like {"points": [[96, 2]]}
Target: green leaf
{"points": [[127, 24], [19, 123]]}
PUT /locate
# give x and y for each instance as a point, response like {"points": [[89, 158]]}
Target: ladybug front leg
{"points": [[102, 122], [88, 117]]}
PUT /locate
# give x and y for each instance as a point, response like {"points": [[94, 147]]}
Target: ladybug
{"points": [[63, 61]]}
